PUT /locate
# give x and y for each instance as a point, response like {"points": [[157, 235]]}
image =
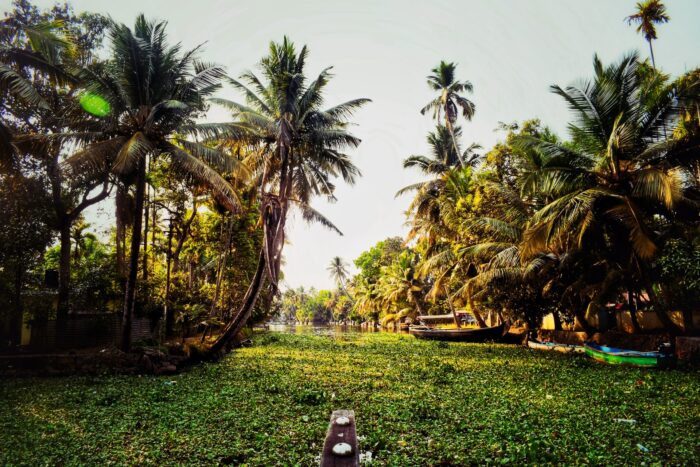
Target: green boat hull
{"points": [[622, 359]]}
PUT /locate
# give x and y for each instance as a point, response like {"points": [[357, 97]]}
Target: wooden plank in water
{"points": [[338, 433]]}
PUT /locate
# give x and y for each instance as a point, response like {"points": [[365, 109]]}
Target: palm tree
{"points": [[400, 283], [153, 92], [450, 100], [296, 148], [622, 188], [649, 14], [338, 270], [442, 158], [367, 301], [26, 49]]}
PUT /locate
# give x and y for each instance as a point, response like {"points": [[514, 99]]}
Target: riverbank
{"points": [[417, 403]]}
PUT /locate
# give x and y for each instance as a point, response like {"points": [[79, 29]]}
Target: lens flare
{"points": [[94, 104]]}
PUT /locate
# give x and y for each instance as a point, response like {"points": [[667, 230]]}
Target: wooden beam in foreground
{"points": [[340, 448]]}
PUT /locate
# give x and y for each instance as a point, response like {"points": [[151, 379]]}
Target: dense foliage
{"points": [[193, 202], [543, 225]]}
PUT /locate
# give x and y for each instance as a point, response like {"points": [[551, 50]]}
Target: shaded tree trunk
{"points": [[146, 214], [63, 275], [168, 312], [480, 321], [17, 310], [632, 305], [454, 313], [580, 314], [130, 292], [181, 240], [120, 215], [557, 321]]}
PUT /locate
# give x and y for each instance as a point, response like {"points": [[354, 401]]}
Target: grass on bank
{"points": [[417, 403]]}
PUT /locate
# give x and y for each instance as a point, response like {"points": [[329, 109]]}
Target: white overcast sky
{"points": [[511, 51]]}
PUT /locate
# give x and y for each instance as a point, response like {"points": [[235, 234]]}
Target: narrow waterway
{"points": [[325, 329]]}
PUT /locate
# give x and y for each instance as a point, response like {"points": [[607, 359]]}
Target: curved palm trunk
{"points": [[454, 143], [454, 313], [480, 321], [130, 292], [580, 314], [273, 216], [651, 51], [632, 305]]}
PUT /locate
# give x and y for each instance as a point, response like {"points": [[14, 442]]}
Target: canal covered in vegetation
{"points": [[417, 403]]}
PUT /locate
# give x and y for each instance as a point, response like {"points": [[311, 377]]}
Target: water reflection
{"points": [[324, 329]]}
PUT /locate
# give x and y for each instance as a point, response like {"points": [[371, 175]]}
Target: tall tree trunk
{"points": [[183, 237], [580, 314], [146, 213], [17, 310], [120, 214], [168, 312], [63, 274], [130, 292], [557, 321], [454, 142], [632, 305], [273, 215], [454, 313], [480, 321], [651, 51]]}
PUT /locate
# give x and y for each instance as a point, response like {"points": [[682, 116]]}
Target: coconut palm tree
{"points": [[442, 158], [296, 149], [649, 14], [26, 49], [151, 92], [367, 301], [401, 284], [450, 101], [622, 188], [338, 270]]}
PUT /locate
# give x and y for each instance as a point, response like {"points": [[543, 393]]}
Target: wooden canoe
{"points": [[459, 335], [616, 356], [556, 347]]}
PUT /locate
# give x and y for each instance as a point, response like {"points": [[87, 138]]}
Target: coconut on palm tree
{"points": [[297, 149], [450, 101], [650, 13]]}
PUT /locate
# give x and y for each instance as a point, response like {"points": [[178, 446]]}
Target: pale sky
{"points": [[511, 51]]}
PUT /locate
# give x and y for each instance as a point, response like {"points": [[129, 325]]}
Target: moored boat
{"points": [[617, 356], [459, 334], [556, 347]]}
